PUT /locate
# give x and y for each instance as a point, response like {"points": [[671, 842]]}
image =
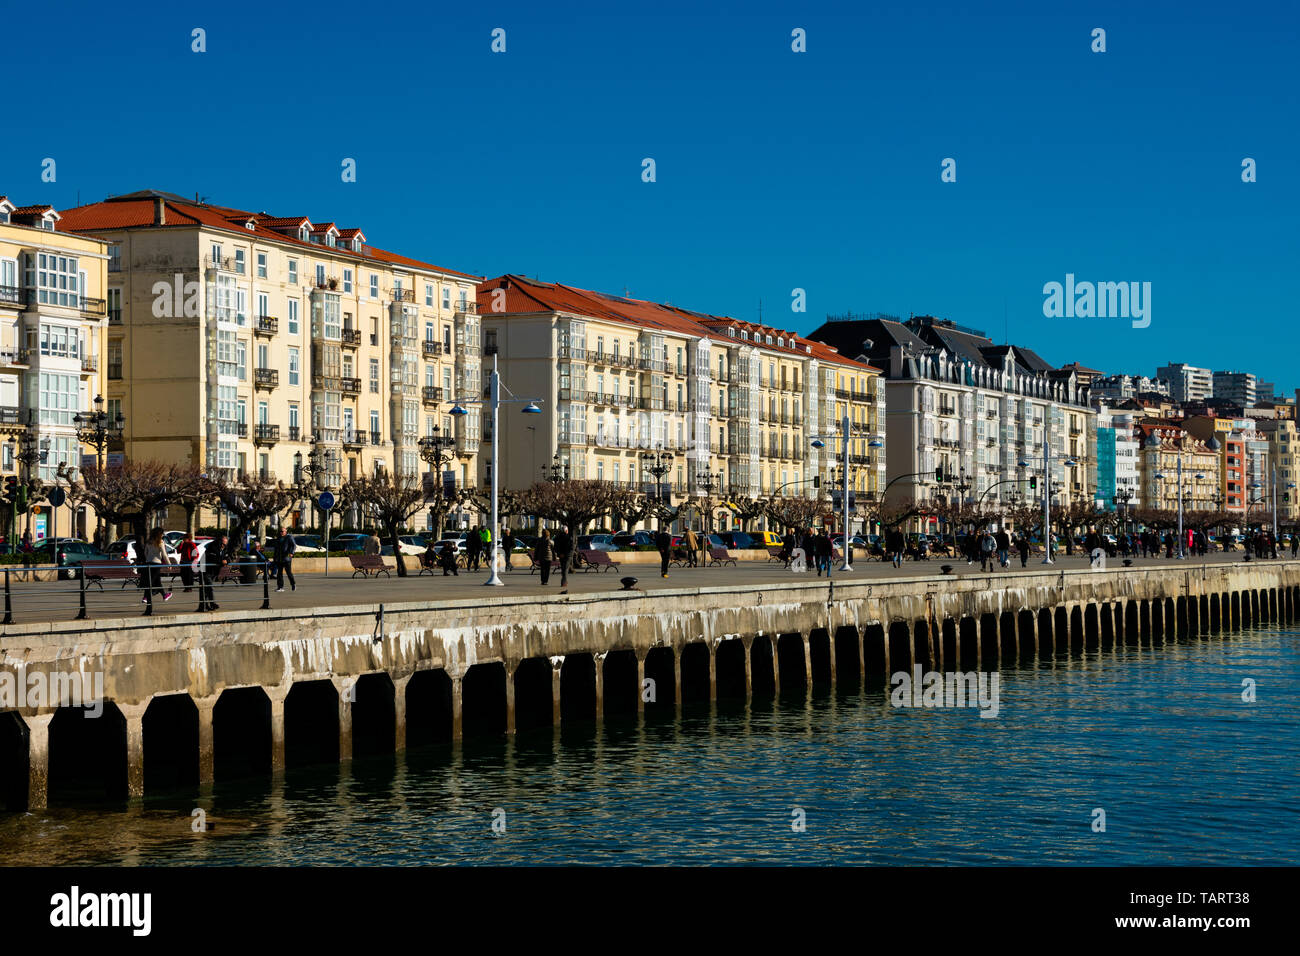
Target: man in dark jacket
{"points": [[447, 558], [214, 559], [508, 544], [283, 555], [1022, 545], [1004, 546], [543, 554], [563, 545], [664, 542], [895, 544], [472, 544]]}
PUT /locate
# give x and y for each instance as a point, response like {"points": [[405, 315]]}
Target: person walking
{"points": [[485, 546], [155, 556], [543, 554], [987, 548], [664, 542], [562, 543], [1004, 547], [472, 544], [692, 549], [1022, 545], [284, 550], [787, 548], [214, 559], [895, 544], [508, 545], [189, 554], [1295, 543]]}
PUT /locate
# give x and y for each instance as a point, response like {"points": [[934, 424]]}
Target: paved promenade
{"points": [[58, 601]]}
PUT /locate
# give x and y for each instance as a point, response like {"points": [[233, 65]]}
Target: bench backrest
{"points": [[596, 557], [719, 553], [102, 567]]}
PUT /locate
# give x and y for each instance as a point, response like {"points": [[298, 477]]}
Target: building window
{"points": [[293, 366], [374, 375], [293, 272], [446, 297], [374, 286], [428, 294], [115, 359], [293, 316], [261, 265], [55, 278], [239, 261], [347, 280], [115, 258], [58, 397], [241, 361]]}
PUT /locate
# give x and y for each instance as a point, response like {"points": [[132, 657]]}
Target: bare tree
{"points": [[794, 514], [629, 507], [250, 499], [746, 509], [573, 503], [392, 499], [135, 490]]}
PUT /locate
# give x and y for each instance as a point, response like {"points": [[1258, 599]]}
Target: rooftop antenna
{"points": [[760, 311]]}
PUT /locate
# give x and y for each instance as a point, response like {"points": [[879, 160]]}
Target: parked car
{"points": [[308, 544], [68, 554], [596, 542], [738, 540], [124, 548], [344, 542], [457, 543], [412, 544], [859, 543], [633, 539]]}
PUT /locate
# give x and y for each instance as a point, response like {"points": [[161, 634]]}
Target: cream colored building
{"points": [[52, 339], [733, 407], [243, 342], [1158, 467]]}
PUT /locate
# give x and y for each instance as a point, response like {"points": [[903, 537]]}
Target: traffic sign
{"points": [[57, 497], [326, 501]]}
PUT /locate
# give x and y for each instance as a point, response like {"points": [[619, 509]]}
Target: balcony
{"points": [[351, 338], [115, 317], [225, 264], [326, 283], [376, 438], [402, 295], [11, 295], [432, 348], [90, 363], [651, 365], [264, 434], [14, 356], [267, 378], [241, 429], [295, 433], [265, 325], [467, 308], [353, 438], [351, 386], [568, 352], [431, 395]]}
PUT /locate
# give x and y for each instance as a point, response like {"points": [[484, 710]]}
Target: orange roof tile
{"points": [[525, 295], [134, 213]]}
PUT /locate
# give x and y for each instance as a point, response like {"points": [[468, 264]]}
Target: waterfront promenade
{"points": [[59, 601]]}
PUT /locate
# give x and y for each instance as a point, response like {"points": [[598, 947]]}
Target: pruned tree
{"points": [[250, 499], [795, 513], [134, 490], [629, 507], [392, 499], [746, 509], [574, 503]]}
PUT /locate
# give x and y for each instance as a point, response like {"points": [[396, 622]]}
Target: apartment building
{"points": [[1187, 383], [1230, 463], [731, 406], [1117, 460], [958, 403], [1239, 388], [52, 339], [245, 342], [1112, 389], [1282, 471], [1159, 466]]}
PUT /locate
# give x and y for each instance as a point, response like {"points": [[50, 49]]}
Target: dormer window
{"points": [[744, 334], [4, 216], [304, 234], [329, 239], [780, 340], [47, 223], [356, 244], [769, 340], [249, 225], [732, 332]]}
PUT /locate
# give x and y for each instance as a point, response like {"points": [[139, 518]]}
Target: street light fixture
{"points": [[658, 463], [99, 429], [494, 401]]}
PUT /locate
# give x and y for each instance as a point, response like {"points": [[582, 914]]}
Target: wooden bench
{"points": [[533, 565], [597, 560], [719, 556], [368, 565], [777, 554], [97, 572]]}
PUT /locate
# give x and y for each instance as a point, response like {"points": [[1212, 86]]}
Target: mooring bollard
{"points": [[81, 580], [9, 609]]}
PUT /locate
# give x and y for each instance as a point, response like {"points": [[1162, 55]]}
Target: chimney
{"points": [[159, 211]]}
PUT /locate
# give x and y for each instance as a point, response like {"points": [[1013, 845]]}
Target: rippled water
{"points": [[1159, 738]]}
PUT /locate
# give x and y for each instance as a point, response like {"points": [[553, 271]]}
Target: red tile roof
{"points": [[523, 295], [136, 211]]}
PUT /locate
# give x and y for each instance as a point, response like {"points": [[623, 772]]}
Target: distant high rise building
{"points": [[1237, 387], [1187, 383]]}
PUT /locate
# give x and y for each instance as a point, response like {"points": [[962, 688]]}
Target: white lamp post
{"points": [[1048, 457], [495, 401], [819, 441]]}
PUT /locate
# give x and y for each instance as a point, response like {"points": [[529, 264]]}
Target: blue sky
{"points": [[775, 170]]}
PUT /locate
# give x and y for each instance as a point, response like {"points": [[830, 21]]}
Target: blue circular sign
{"points": [[325, 501], [57, 496]]}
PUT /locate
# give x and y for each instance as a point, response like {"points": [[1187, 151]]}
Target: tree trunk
{"points": [[397, 549]]}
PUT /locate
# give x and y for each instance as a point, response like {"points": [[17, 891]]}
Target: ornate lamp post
{"points": [[313, 472], [31, 452], [1048, 490], [658, 463], [557, 471], [707, 481], [99, 429], [435, 449]]}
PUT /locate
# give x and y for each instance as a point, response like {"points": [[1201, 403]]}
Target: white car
{"points": [[125, 548]]}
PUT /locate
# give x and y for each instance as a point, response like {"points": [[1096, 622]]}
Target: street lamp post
{"points": [[31, 452], [495, 401], [99, 429], [819, 441], [658, 463], [434, 450], [707, 481], [1069, 461], [556, 472]]}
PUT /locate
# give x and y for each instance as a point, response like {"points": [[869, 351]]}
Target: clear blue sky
{"points": [[775, 170]]}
